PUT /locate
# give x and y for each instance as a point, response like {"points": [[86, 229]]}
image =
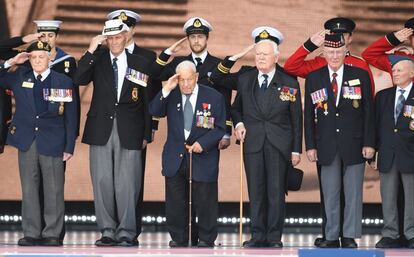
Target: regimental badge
{"points": [[122, 16], [197, 23], [40, 45], [13, 130], [134, 94], [67, 65], [264, 34], [61, 108], [411, 126], [355, 104]]}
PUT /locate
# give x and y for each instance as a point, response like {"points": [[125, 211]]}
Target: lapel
{"points": [[29, 76], [251, 84], [345, 78], [326, 82], [108, 72], [125, 85], [273, 94], [407, 101], [200, 100], [178, 105]]}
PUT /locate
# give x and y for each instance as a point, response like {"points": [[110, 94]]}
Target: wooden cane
{"points": [[241, 194], [190, 198]]}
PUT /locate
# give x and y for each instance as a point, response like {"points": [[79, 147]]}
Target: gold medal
{"points": [[134, 94], [411, 126], [355, 104], [61, 108], [13, 130]]}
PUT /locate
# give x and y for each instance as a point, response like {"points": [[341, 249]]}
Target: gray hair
{"points": [[185, 65], [273, 43]]}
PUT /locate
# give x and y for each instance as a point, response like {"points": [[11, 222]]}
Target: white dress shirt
{"points": [[130, 47], [339, 78], [202, 56], [122, 67], [44, 74], [406, 93], [270, 75], [193, 101]]}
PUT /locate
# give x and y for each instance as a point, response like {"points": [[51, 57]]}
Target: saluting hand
{"points": [[19, 59], [172, 83], [195, 148], [319, 37], [97, 40], [177, 46], [32, 37], [403, 34], [243, 53]]}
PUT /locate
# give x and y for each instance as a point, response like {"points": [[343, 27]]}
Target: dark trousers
{"points": [[204, 202], [266, 172]]}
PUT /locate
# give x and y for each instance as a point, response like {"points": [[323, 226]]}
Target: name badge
{"points": [[27, 84], [354, 82]]}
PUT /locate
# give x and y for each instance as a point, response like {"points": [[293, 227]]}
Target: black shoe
{"points": [[347, 242], [318, 241], [125, 241], [329, 244], [388, 242], [105, 241], [410, 243], [50, 241], [28, 241], [275, 244], [174, 244], [252, 243], [205, 244], [403, 241]]}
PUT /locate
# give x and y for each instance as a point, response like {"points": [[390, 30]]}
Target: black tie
{"points": [[39, 77], [199, 63], [115, 68], [263, 87]]}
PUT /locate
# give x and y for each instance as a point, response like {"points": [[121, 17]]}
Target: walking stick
{"points": [[241, 194], [190, 197]]}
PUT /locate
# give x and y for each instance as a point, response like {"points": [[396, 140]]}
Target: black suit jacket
{"points": [[280, 122], [395, 142], [155, 85], [132, 116], [164, 72], [345, 129]]}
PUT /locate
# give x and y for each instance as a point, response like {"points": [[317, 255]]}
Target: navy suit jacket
{"points": [[54, 133], [395, 142], [205, 165]]}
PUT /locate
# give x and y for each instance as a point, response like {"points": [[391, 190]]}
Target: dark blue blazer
{"points": [[54, 133], [205, 165]]}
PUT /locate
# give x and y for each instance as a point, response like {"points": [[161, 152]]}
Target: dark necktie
{"points": [[334, 85], [188, 113], [263, 87], [400, 104], [199, 63], [115, 68], [39, 77]]}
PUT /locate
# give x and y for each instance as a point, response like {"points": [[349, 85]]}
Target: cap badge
{"points": [[197, 23], [122, 16], [264, 34], [338, 25], [40, 45]]}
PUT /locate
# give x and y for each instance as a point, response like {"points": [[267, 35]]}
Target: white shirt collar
{"points": [[407, 89], [195, 91], [131, 47], [270, 75], [121, 57], [44, 74], [203, 56], [340, 71]]}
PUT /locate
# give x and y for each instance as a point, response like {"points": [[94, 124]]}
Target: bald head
{"points": [[403, 73]]}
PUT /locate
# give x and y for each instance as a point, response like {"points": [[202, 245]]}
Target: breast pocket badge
{"points": [[134, 94]]}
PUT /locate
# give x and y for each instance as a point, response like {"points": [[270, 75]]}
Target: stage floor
{"points": [[154, 244]]}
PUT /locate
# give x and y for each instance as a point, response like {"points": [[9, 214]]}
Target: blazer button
{"points": [[181, 155], [111, 118], [116, 104], [337, 130], [395, 130], [337, 114], [37, 117], [36, 128]]}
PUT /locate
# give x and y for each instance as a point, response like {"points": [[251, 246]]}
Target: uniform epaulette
{"points": [[223, 69], [161, 62]]}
